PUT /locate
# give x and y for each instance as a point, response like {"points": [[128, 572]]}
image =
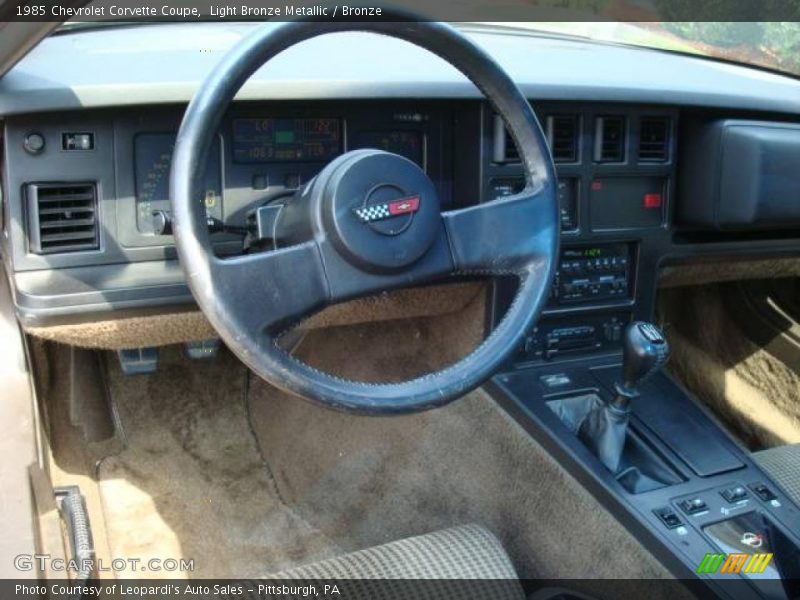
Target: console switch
{"points": [[734, 494], [763, 492], [692, 506], [668, 517]]}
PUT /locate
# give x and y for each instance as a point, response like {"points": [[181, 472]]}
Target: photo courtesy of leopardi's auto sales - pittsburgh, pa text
{"points": [[184, 590]]}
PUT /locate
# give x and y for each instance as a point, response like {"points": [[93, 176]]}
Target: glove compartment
{"points": [[740, 176]]}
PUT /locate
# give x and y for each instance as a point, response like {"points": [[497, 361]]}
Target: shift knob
{"points": [[644, 351]]}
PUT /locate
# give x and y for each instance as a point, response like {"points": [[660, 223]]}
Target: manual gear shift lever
{"points": [[644, 351], [601, 425]]}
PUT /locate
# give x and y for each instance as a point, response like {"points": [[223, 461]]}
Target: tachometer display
{"points": [[286, 140], [153, 157]]}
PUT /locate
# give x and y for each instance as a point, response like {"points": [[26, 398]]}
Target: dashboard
{"points": [[86, 163]]}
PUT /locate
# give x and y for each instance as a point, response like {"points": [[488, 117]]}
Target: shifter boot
{"points": [[573, 410], [600, 426], [603, 432]]}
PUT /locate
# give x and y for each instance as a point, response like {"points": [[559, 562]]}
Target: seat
{"points": [[464, 562], [782, 464]]}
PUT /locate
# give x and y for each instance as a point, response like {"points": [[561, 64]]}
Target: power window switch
{"points": [[734, 494], [668, 517]]}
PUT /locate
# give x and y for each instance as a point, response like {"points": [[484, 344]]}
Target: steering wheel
{"points": [[369, 221]]}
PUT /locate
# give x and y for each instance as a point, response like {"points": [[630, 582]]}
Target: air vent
{"points": [[609, 139], [562, 135], [510, 149], [62, 217], [654, 139], [505, 150]]}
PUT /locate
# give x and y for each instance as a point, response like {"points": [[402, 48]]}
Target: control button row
{"points": [[615, 263]]}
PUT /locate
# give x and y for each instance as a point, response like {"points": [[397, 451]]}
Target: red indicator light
{"points": [[652, 201], [597, 186]]}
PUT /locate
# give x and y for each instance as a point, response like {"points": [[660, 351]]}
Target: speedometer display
{"points": [[153, 157]]}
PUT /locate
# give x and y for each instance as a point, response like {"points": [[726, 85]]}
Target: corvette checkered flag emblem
{"points": [[378, 212]]}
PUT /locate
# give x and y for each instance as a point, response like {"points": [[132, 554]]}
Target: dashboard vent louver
{"points": [[62, 217], [504, 149], [562, 135], [654, 139], [511, 152], [609, 139]]}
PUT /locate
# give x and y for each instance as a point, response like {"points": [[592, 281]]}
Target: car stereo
{"points": [[592, 273]]}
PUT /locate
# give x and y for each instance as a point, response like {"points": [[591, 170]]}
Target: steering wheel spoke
{"points": [[273, 289], [503, 236]]}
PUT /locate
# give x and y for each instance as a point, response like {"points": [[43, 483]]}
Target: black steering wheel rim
{"points": [[529, 219]]}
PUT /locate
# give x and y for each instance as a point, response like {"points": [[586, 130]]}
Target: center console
{"points": [[711, 504], [663, 466], [600, 404]]}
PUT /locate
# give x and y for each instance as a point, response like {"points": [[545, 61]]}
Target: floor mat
{"points": [[191, 482], [754, 394], [395, 477]]}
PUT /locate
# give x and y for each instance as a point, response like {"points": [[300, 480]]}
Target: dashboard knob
{"points": [[162, 222], [33, 143]]}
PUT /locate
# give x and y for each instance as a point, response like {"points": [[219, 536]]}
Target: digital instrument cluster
{"points": [[258, 140], [266, 154]]}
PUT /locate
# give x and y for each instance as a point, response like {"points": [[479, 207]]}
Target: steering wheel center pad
{"points": [[380, 210]]}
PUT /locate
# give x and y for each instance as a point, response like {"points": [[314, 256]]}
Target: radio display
{"points": [[286, 140]]}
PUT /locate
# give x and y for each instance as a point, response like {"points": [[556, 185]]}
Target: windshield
{"points": [[772, 45]]}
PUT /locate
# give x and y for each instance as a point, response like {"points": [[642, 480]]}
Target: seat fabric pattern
{"points": [[782, 464], [460, 563]]}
